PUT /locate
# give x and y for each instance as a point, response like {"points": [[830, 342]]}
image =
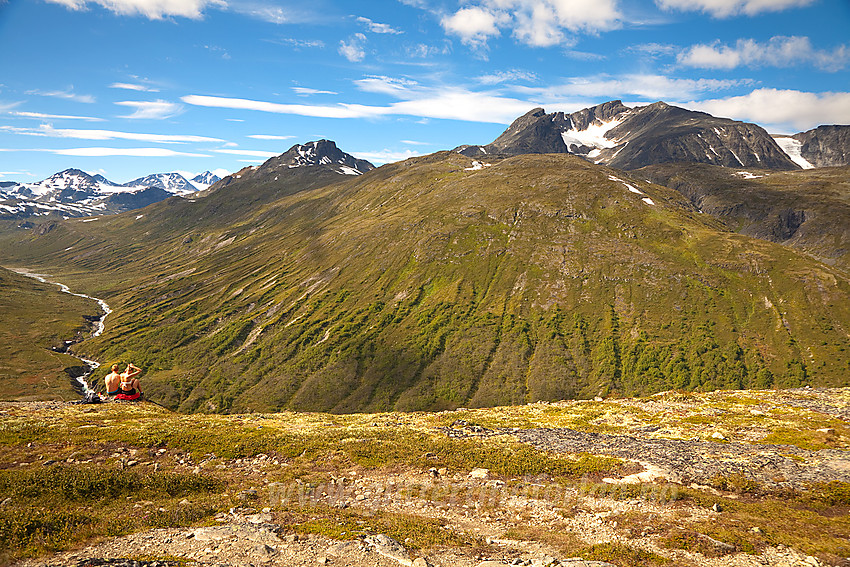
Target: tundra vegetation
{"points": [[71, 474]]}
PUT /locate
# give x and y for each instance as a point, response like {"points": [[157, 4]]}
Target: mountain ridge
{"points": [[629, 138]]}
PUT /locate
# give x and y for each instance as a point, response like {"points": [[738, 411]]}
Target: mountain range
{"points": [[454, 280], [75, 193]]}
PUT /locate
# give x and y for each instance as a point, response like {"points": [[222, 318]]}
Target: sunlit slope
{"points": [[806, 209], [437, 283], [34, 318]]}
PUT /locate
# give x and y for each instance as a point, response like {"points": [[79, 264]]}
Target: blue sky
{"points": [[131, 87]]}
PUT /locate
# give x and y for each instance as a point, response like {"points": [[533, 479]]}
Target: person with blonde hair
{"points": [[130, 387]]}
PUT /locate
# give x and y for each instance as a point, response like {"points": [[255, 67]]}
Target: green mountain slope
{"points": [[436, 283], [37, 317], [808, 210]]}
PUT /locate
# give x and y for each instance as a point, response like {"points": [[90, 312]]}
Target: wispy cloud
{"points": [[42, 116], [727, 8], [647, 86], [152, 9], [779, 51], [305, 91], [300, 44], [386, 156], [375, 27], [269, 137], [434, 102], [151, 110], [514, 75], [67, 94], [109, 152], [354, 49], [133, 87], [83, 134]]}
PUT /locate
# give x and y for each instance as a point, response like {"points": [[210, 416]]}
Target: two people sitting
{"points": [[124, 385]]}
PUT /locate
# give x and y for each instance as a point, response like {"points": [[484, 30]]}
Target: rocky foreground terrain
{"points": [[722, 479]]}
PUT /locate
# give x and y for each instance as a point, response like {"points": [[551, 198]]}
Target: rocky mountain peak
{"points": [[319, 153]]}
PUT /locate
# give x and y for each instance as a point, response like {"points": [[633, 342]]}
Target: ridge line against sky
{"points": [[220, 84]]}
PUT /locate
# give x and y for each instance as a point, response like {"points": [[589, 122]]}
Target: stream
{"points": [[100, 325]]}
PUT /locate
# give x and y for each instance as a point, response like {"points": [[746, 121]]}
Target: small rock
{"points": [[719, 436], [756, 530], [491, 563], [291, 538], [48, 462], [433, 472], [184, 502], [323, 561], [132, 463], [716, 507], [482, 474], [422, 562], [249, 494]]}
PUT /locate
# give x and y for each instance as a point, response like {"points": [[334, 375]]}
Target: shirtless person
{"points": [[113, 381]]}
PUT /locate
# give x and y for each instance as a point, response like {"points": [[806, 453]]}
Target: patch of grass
{"points": [[413, 532], [52, 509], [622, 555]]}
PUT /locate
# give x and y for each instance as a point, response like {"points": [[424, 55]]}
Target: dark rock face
{"points": [[629, 138], [826, 146], [120, 202]]}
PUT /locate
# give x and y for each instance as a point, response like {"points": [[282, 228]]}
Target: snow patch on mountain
{"points": [[793, 148], [593, 136]]}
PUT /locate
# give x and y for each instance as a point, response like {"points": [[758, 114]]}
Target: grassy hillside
{"points": [[430, 284], [35, 318], [808, 210]]}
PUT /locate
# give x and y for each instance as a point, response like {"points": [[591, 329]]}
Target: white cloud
{"points": [[375, 27], [308, 91], [152, 9], [539, 23], [80, 134], [133, 87], [780, 51], [68, 94], [474, 25], [254, 153], [151, 110], [654, 87], [513, 75], [301, 43], [355, 49], [268, 137], [727, 8], [777, 109], [386, 156], [438, 102], [385, 85], [42, 116], [318, 111]]}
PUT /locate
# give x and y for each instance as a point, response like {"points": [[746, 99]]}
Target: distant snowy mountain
{"points": [[204, 180], [174, 183], [75, 193]]}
